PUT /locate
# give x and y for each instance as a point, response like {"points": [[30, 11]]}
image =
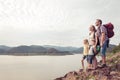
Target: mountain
{"points": [[27, 49], [4, 47], [69, 48], [31, 50], [79, 50], [54, 51], [42, 50], [2, 51]]}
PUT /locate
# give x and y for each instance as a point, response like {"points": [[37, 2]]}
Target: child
{"points": [[85, 51], [91, 54]]}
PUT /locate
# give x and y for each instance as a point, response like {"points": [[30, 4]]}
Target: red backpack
{"points": [[109, 27]]}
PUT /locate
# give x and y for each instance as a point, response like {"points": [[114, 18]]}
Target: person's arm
{"points": [[103, 33], [96, 39], [95, 50], [102, 38]]}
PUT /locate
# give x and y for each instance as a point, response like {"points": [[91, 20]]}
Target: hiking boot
{"points": [[104, 65]]}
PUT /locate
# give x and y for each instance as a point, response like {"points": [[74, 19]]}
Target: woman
{"points": [[92, 36]]}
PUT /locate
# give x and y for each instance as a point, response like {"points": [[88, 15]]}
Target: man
{"points": [[102, 35]]}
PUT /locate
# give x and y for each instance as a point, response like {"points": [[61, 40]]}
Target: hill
{"points": [[42, 50], [110, 72], [31, 50], [4, 47], [110, 49], [60, 48], [116, 49]]}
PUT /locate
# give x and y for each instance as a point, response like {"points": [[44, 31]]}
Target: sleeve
{"points": [[103, 29]]}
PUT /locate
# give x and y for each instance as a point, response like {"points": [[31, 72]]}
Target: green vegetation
{"points": [[110, 72], [116, 49]]}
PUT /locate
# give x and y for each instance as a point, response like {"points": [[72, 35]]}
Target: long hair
{"points": [[94, 29]]}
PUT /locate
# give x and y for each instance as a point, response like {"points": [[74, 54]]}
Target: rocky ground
{"points": [[110, 72]]}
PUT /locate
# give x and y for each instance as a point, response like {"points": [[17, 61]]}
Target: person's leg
{"points": [[103, 59], [91, 59], [82, 61], [94, 63], [103, 52], [88, 61]]}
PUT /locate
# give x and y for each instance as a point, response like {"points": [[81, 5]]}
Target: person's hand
{"points": [[101, 44]]}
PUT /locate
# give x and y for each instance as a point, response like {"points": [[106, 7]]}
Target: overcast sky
{"points": [[54, 22]]}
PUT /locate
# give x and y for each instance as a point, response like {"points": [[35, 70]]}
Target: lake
{"points": [[37, 67]]}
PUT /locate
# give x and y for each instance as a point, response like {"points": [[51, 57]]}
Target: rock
{"points": [[118, 66], [111, 72], [61, 78], [115, 78], [81, 70]]}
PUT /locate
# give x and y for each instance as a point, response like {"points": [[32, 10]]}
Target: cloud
{"points": [[58, 22]]}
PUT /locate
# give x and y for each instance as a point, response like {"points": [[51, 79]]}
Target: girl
{"points": [[85, 51], [90, 57]]}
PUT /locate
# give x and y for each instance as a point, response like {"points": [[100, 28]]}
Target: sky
{"points": [[54, 22]]}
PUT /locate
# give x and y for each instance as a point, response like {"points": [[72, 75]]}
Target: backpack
{"points": [[110, 33], [109, 27]]}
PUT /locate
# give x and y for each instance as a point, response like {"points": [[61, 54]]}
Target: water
{"points": [[37, 67]]}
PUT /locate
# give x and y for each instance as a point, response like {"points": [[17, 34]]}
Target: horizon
{"points": [[54, 22], [41, 45], [49, 45]]}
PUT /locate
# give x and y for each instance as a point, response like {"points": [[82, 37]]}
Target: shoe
{"points": [[104, 65]]}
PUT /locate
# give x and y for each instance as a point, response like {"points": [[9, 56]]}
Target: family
{"points": [[97, 43]]}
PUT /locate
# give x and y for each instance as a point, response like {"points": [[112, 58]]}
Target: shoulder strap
{"points": [[99, 30], [94, 35]]}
